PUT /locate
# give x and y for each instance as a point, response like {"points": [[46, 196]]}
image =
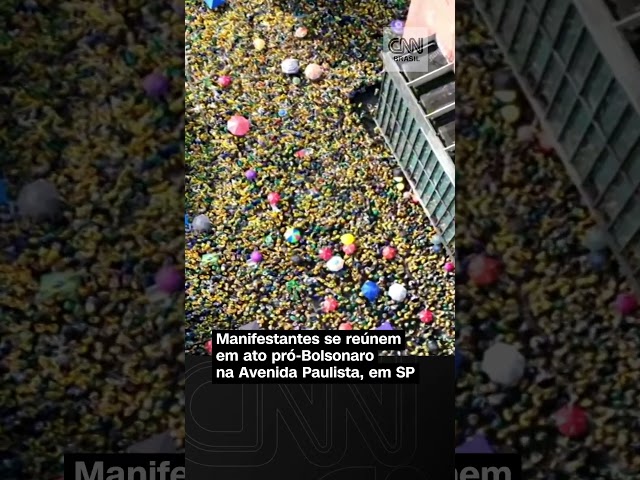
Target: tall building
{"points": [[416, 110], [577, 64]]}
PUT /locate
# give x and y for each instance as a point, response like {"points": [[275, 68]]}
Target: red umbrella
{"points": [[572, 421], [426, 316], [224, 81], [345, 326], [626, 304], [329, 305], [388, 253], [209, 347], [325, 254], [238, 125], [273, 198], [484, 270]]}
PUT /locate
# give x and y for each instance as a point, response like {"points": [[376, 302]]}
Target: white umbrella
{"points": [[290, 66], [397, 292], [503, 364], [201, 223], [335, 264]]}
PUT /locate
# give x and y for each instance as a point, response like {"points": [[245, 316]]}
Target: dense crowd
{"points": [[91, 349], [547, 351], [301, 221]]}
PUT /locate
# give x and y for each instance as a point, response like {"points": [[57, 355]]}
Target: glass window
{"points": [[632, 165], [435, 170], [553, 16], [411, 138], [496, 7], [389, 117], [540, 52], [440, 212], [597, 82], [431, 203], [627, 223], [588, 151], [427, 190], [616, 196], [510, 19], [450, 195], [569, 33], [626, 134], [524, 37], [450, 233], [603, 171], [538, 6], [562, 103], [423, 181], [633, 252], [442, 186], [578, 122], [389, 124], [385, 88], [397, 127], [444, 220], [611, 109], [413, 162], [583, 59], [550, 79]]}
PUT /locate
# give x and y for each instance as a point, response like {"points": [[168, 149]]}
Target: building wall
{"points": [[434, 17]]}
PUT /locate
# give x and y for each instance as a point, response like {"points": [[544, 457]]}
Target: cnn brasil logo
{"points": [[406, 48]]}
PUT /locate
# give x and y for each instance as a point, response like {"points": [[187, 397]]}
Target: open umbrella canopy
{"points": [[484, 270], [214, 3], [476, 444], [385, 326], [370, 290], [313, 72], [238, 126], [503, 364]]}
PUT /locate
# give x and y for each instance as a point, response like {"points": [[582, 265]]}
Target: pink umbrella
{"points": [[626, 304], [273, 198], [238, 125], [426, 316], [325, 254], [329, 305], [169, 279], [313, 71], [224, 81]]}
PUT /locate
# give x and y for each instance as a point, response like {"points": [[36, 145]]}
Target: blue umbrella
{"points": [[385, 326], [370, 290], [477, 444], [214, 3], [187, 222]]}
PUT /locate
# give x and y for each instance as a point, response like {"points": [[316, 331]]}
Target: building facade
{"points": [[576, 62], [416, 111]]}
